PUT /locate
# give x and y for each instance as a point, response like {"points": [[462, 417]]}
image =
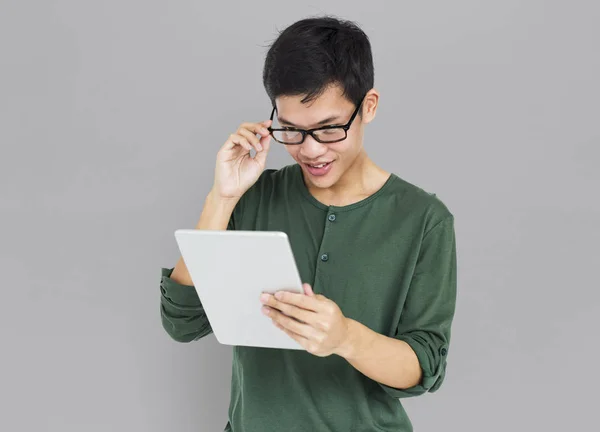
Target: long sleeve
{"points": [[181, 311], [182, 314], [425, 322]]}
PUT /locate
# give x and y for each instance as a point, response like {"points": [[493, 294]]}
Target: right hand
{"points": [[236, 171]]}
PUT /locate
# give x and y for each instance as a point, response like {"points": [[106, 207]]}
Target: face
{"points": [[338, 157]]}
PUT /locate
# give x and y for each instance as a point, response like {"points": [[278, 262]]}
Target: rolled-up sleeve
{"points": [[182, 314], [425, 322], [181, 310]]}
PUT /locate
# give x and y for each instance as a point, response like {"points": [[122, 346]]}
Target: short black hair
{"points": [[314, 53]]}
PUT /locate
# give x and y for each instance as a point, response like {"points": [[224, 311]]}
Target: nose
{"points": [[312, 149]]}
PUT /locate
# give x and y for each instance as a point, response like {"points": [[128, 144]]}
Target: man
{"points": [[377, 253]]}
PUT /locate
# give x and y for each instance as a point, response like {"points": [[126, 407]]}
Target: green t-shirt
{"points": [[388, 261]]}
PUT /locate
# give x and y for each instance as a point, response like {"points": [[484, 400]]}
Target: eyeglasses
{"points": [[324, 135]]}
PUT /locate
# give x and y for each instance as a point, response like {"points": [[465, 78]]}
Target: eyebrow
{"points": [[321, 123]]}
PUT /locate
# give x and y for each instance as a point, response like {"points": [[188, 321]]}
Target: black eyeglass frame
{"points": [[311, 132]]}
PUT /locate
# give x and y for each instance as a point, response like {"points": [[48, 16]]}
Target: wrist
{"points": [[215, 199], [349, 347], [216, 212]]}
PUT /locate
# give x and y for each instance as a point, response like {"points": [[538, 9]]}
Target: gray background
{"points": [[111, 115]]}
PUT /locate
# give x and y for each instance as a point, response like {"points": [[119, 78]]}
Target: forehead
{"points": [[329, 105]]}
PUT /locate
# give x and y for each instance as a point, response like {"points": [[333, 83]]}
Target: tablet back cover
{"points": [[230, 269]]}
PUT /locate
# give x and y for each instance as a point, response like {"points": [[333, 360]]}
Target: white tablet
{"points": [[230, 269]]}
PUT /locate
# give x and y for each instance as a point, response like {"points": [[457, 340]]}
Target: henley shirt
{"points": [[388, 261]]}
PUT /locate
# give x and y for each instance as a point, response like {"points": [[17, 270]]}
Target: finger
{"points": [[302, 315], [308, 290], [237, 140], [261, 157], [301, 340], [303, 301], [251, 137], [291, 324], [257, 128]]}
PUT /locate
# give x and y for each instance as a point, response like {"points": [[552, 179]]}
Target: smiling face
{"points": [[338, 157]]}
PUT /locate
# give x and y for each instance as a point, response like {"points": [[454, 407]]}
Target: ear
{"points": [[369, 108]]}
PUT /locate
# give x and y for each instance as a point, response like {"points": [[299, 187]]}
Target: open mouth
{"points": [[320, 169], [320, 166]]}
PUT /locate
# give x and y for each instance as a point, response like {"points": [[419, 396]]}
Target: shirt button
{"points": [[331, 217], [443, 351], [324, 257]]}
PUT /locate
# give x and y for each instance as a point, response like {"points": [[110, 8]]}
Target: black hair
{"points": [[314, 53]]}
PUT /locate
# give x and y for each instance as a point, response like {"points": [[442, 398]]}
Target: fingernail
{"points": [[264, 297]]}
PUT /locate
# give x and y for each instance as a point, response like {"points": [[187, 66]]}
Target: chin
{"points": [[322, 183]]}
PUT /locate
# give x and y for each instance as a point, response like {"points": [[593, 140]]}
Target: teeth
{"points": [[318, 166]]}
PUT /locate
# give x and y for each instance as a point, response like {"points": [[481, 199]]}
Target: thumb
{"points": [[308, 290]]}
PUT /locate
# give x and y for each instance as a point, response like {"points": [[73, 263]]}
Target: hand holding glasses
{"points": [[236, 170]]}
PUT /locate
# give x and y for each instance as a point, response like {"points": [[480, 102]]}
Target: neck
{"points": [[361, 179]]}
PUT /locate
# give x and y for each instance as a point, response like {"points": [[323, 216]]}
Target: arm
{"points": [[383, 359], [216, 215], [414, 360], [182, 314]]}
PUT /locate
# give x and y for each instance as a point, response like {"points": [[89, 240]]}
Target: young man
{"points": [[377, 253]]}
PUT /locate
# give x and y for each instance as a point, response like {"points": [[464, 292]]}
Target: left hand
{"points": [[313, 320]]}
